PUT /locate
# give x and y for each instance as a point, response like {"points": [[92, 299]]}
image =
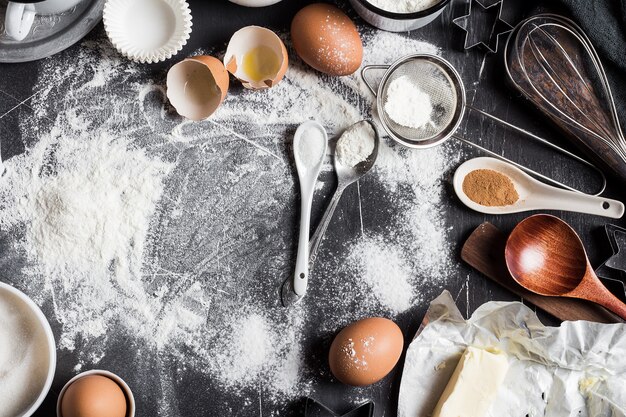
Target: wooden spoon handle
{"points": [[613, 304], [601, 295]]}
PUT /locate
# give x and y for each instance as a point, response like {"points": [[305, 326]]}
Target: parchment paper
{"points": [[577, 369]]}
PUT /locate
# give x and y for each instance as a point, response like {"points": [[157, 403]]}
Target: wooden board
{"points": [[484, 250]]}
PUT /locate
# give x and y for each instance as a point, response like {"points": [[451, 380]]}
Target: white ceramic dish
{"points": [[130, 399], [52, 354], [533, 194], [147, 31], [255, 3], [397, 22]]}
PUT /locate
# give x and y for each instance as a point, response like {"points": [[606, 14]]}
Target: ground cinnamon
{"points": [[489, 188]]}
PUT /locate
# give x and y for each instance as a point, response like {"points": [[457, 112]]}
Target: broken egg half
{"points": [[197, 86], [257, 57]]}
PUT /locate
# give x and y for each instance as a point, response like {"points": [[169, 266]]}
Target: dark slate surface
{"points": [[214, 22]]}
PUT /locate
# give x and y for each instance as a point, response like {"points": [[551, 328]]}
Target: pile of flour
{"points": [[136, 228]]}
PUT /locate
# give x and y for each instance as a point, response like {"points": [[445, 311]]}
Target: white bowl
{"points": [[52, 353], [130, 399], [255, 3]]}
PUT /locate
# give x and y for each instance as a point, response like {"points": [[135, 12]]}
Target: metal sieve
{"points": [[436, 77]]}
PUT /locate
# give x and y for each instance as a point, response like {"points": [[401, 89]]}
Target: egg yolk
{"points": [[261, 63]]}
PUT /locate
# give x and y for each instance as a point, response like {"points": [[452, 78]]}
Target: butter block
{"points": [[473, 385]]}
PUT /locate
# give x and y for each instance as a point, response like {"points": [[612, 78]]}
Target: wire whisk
{"points": [[553, 63]]}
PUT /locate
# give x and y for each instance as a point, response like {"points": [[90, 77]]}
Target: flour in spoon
{"points": [[311, 146], [356, 144]]}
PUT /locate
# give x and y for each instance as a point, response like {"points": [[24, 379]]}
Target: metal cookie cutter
{"points": [[314, 408], [612, 272], [483, 25]]}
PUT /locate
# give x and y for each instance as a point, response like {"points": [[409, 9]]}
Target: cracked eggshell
{"points": [[197, 86], [366, 351], [244, 41]]}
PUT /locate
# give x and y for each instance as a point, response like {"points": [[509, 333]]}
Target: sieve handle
{"points": [[364, 76]]}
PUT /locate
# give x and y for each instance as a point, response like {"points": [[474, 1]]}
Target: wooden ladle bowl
{"points": [[546, 256]]}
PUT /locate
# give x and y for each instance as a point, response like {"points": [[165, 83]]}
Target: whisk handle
{"points": [[607, 154]]}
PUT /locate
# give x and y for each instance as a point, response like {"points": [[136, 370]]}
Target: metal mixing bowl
{"points": [[397, 22]]}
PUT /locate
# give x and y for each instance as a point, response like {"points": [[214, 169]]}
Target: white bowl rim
{"points": [[130, 412], [51, 345]]}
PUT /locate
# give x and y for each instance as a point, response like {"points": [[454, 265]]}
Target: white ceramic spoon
{"points": [[309, 164], [534, 195]]}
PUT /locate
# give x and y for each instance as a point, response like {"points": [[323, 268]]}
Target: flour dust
{"points": [[158, 246]]}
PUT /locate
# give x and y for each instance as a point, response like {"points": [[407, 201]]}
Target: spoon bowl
{"points": [[348, 174], [546, 256], [533, 194]]}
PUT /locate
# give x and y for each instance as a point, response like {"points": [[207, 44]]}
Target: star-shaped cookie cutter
{"points": [[612, 272], [469, 22], [314, 408]]}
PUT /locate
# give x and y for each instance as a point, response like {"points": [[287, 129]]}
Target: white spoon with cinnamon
{"points": [[531, 194]]}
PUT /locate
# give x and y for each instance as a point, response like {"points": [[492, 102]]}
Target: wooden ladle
{"points": [[546, 256]]}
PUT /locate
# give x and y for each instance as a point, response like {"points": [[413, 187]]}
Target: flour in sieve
{"points": [[209, 243], [407, 105]]}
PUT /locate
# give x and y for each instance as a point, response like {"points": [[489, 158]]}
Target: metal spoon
{"points": [[546, 256], [533, 194], [346, 175]]}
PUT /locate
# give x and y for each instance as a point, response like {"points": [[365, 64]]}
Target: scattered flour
{"points": [[403, 6], [184, 266], [385, 270], [87, 203]]}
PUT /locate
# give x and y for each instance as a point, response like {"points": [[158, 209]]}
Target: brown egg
{"points": [[93, 396], [366, 351], [326, 39]]}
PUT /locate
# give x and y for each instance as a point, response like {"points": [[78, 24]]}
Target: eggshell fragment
{"points": [[197, 86], [93, 396], [246, 40], [326, 39], [366, 351]]}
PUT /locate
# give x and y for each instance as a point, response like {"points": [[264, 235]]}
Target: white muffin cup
{"points": [[147, 31], [130, 399], [51, 345]]}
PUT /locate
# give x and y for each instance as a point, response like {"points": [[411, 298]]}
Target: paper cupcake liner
{"points": [[147, 31]]}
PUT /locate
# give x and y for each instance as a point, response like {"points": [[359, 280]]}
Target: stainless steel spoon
{"points": [[346, 175]]}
